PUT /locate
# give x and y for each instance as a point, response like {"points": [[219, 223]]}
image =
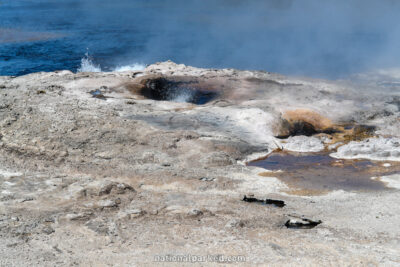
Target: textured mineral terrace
{"points": [[102, 169]]}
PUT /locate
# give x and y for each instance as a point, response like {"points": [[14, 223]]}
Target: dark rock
{"points": [[27, 199], [99, 226], [207, 179], [301, 223], [195, 213], [48, 230], [252, 199], [277, 203], [98, 94], [235, 223], [110, 187]]}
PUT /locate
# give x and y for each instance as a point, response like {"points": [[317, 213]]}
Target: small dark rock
{"points": [[98, 94], [195, 213], [277, 203], [301, 223], [207, 179], [57, 249], [252, 199], [48, 230], [49, 220], [27, 199], [235, 223], [12, 245], [98, 226]]}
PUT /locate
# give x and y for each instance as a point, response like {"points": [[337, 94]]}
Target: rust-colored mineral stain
{"points": [[318, 173], [308, 122]]}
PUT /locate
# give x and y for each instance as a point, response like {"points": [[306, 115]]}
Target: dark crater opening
{"points": [[163, 89]]}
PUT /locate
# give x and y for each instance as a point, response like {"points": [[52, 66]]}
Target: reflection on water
{"points": [[317, 173]]}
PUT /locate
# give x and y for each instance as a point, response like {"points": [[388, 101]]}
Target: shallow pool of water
{"points": [[318, 173]]}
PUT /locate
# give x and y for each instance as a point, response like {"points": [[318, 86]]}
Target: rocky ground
{"points": [[124, 169]]}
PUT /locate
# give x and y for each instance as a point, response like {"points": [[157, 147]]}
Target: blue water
{"points": [[309, 37]]}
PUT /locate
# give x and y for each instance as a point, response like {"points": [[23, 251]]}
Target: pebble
{"points": [[107, 203], [48, 230]]}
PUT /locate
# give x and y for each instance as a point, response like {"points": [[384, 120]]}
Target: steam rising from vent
{"points": [[183, 95], [330, 38], [87, 65], [308, 37], [176, 89], [131, 67]]}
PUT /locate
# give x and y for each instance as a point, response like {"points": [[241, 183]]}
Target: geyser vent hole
{"points": [[162, 89]]}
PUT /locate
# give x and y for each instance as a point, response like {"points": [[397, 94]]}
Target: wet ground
{"points": [[318, 173]]}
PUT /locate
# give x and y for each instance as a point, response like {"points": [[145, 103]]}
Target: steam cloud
{"points": [[327, 38], [310, 37]]}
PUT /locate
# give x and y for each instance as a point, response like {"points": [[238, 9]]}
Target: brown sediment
{"points": [[9, 35], [268, 174], [308, 122], [318, 173], [349, 132], [306, 192], [304, 122], [319, 122]]}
